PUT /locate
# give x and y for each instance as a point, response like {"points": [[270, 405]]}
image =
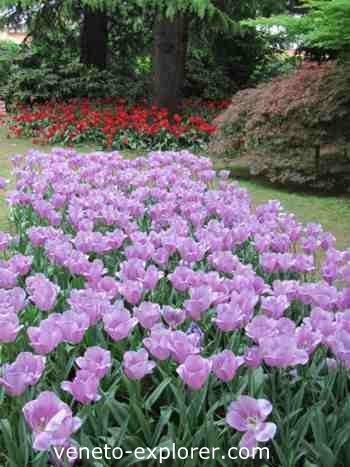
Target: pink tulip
{"points": [[96, 361], [118, 323], [248, 415], [225, 365], [136, 364], [158, 342], [42, 292], [25, 371], [51, 421], [148, 314], [84, 387], [9, 327], [194, 371]]}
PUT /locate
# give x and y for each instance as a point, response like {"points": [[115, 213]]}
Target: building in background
{"points": [[14, 33], [14, 36]]}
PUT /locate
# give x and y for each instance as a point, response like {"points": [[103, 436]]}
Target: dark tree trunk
{"points": [[170, 37], [94, 38]]}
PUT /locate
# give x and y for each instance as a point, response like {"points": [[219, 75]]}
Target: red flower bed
{"points": [[111, 123]]}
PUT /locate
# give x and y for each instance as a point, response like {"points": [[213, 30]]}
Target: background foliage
{"points": [[326, 26], [220, 60]]}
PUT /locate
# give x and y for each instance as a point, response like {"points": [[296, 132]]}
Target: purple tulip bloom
{"points": [[94, 271], [182, 278], [148, 314], [118, 323], [340, 345], [21, 264], [51, 421], [132, 291], [151, 277], [107, 285], [287, 288], [88, 301], [132, 270], [8, 278], [262, 244], [229, 317], [307, 338], [191, 251], [274, 307], [282, 351], [3, 183], [96, 361], [225, 365], [25, 371], [224, 261], [323, 322], [327, 241], [161, 257], [252, 357], [115, 239], [59, 251], [42, 292], [303, 263], [248, 415], [84, 387], [45, 338], [9, 327], [194, 371], [174, 317], [5, 240], [158, 342], [73, 326], [199, 302], [12, 300], [262, 327], [182, 345], [39, 235], [136, 365]]}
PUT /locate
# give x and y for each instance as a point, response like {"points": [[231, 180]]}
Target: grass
{"points": [[333, 212]]}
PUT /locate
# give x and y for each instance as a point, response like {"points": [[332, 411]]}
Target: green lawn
{"points": [[332, 212]]}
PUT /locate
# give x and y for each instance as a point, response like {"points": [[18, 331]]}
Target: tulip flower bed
{"points": [[111, 123], [145, 303]]}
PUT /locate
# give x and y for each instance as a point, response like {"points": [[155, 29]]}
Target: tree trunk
{"points": [[94, 38], [170, 36]]}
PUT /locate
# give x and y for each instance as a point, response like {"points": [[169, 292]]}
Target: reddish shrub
{"points": [[295, 129]]}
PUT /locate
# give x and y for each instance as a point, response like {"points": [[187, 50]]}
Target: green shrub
{"points": [[279, 63], [295, 129], [205, 79], [220, 64], [36, 80], [8, 52]]}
